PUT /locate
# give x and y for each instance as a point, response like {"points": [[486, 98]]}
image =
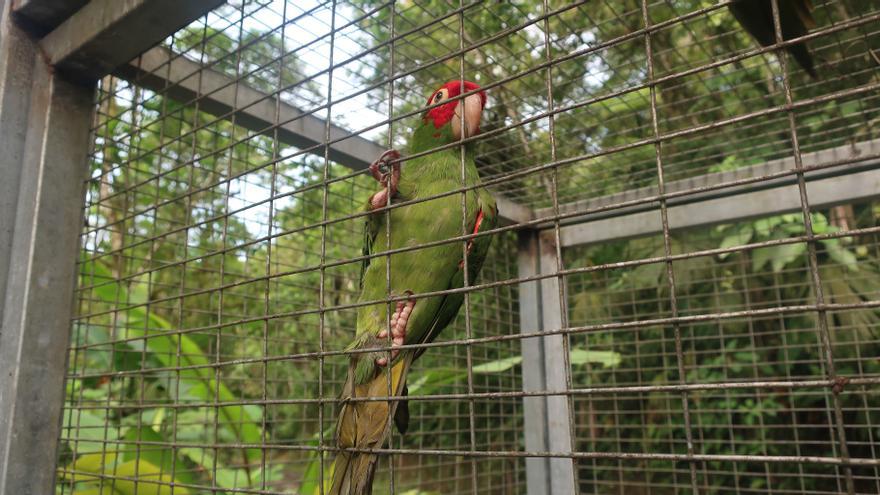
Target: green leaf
{"points": [[840, 254], [742, 236], [90, 464], [157, 455], [100, 466], [780, 256], [88, 431], [311, 479], [498, 365], [760, 257], [243, 424], [608, 359], [95, 490], [150, 479]]}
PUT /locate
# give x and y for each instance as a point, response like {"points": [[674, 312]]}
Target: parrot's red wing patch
{"points": [[470, 242]]}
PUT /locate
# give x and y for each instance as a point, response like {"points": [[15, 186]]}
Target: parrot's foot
{"points": [[399, 319], [387, 174]]}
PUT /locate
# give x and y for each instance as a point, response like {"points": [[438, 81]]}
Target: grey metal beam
{"points": [[534, 408], [39, 289], [511, 212], [46, 14], [847, 183], [106, 34], [184, 80], [559, 427]]}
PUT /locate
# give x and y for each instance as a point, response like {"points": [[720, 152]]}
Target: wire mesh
{"points": [[221, 257]]}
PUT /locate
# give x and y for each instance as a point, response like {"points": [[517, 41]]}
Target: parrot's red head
{"points": [[451, 112]]}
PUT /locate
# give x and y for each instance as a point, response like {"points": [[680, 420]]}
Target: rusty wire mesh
{"points": [[220, 261]]}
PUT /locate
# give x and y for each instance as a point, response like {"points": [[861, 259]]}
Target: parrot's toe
{"points": [[399, 320], [386, 173], [382, 168]]}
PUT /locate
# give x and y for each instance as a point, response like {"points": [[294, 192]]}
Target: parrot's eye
{"points": [[440, 96]]}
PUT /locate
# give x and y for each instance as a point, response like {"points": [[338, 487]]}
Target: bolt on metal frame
{"points": [[217, 120]]}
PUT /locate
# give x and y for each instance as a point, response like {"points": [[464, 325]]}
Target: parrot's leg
{"points": [[387, 174], [399, 319]]}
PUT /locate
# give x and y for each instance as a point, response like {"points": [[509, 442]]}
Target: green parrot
{"points": [[795, 19], [365, 424]]}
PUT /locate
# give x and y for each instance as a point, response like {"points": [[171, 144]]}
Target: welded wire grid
{"points": [[219, 270]]}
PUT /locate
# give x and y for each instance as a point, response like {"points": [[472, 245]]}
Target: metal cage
{"points": [[683, 294]]}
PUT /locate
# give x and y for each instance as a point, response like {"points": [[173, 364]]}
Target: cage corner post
{"points": [[547, 417], [51, 55], [44, 119]]}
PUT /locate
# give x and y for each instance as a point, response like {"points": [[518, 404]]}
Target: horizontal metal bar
{"points": [[851, 182], [106, 34], [839, 386], [513, 454]]}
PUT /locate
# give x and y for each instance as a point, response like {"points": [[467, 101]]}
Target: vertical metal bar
{"points": [[667, 248], [469, 358], [267, 291], [325, 195], [181, 289], [49, 154], [821, 314], [534, 408], [224, 242], [387, 233], [560, 424]]}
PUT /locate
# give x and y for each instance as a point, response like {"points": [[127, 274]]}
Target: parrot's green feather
{"points": [[365, 424]]}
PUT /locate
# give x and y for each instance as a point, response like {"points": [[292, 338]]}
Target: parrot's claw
{"points": [[386, 171], [399, 319]]}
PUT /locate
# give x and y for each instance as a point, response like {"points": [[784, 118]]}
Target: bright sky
{"points": [[353, 113]]}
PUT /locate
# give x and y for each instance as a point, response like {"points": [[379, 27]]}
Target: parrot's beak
{"points": [[473, 109]]}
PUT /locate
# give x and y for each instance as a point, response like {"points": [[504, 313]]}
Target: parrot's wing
{"points": [[371, 229], [448, 310], [452, 302]]}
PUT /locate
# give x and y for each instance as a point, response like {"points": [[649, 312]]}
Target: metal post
{"points": [[547, 418], [17, 52], [559, 428], [534, 408], [46, 167]]}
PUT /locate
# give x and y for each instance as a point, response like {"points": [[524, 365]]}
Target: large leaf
{"points": [[151, 479], [840, 254], [150, 467], [243, 423], [608, 359], [740, 236], [311, 479], [157, 455], [89, 430]]}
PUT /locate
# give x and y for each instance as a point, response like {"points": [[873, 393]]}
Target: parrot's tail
{"points": [[364, 425]]}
